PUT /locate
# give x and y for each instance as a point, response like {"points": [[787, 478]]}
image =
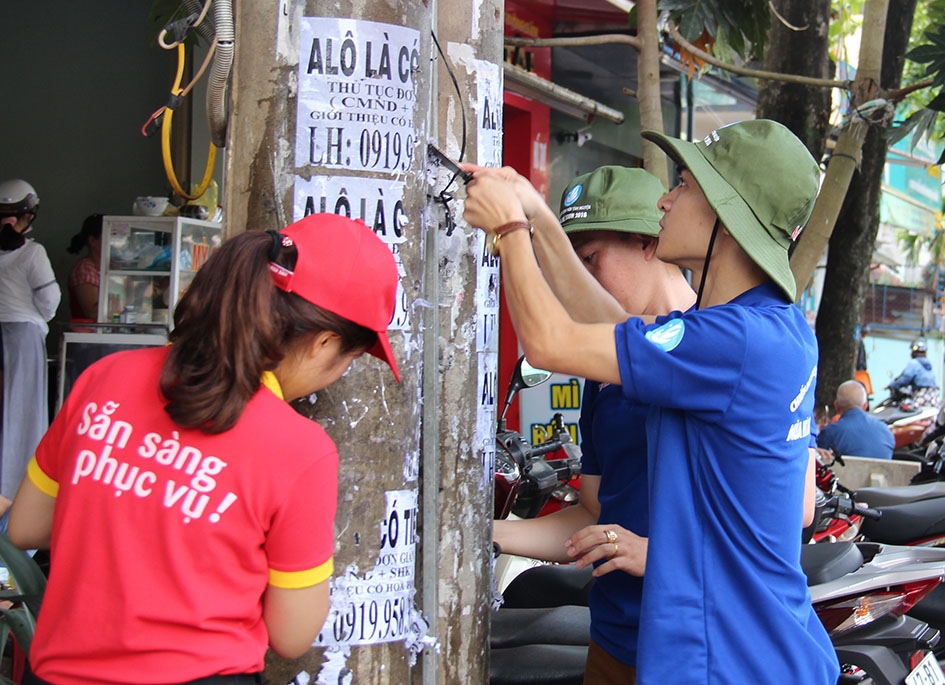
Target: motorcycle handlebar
{"points": [[867, 513], [544, 448], [845, 506]]}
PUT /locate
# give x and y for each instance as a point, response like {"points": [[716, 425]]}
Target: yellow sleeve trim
{"points": [[291, 580], [45, 484], [270, 381]]}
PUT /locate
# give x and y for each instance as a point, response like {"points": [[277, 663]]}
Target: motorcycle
{"points": [[907, 422], [861, 593], [932, 457], [535, 637], [528, 476], [910, 515], [837, 516], [531, 480]]}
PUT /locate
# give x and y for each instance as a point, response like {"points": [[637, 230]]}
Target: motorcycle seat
{"points": [[563, 625], [549, 586], [891, 414], [822, 563], [882, 497], [906, 523], [538, 665]]}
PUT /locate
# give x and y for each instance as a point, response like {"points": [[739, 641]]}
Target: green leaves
{"points": [[743, 24], [932, 54]]}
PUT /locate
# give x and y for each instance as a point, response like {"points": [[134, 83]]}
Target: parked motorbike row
{"points": [[907, 422], [874, 568]]}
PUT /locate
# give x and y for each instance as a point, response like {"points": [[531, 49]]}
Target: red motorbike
{"points": [[838, 516]]}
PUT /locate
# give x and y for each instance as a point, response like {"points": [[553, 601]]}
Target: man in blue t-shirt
{"points": [[611, 218], [730, 384], [856, 433]]}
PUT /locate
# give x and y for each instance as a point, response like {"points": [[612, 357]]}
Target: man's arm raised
{"points": [[548, 335], [582, 296]]}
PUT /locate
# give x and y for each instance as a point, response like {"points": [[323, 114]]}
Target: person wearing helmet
{"points": [[181, 481], [29, 296], [917, 378], [611, 219], [730, 388]]}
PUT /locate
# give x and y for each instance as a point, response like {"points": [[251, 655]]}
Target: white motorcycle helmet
{"points": [[17, 198]]}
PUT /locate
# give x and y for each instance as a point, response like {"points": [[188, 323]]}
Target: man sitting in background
{"points": [[856, 433]]}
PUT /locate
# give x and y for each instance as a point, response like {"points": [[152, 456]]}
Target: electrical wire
{"points": [[170, 46], [160, 110], [176, 96], [444, 196]]}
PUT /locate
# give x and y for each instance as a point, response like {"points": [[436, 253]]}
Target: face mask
{"points": [[10, 239]]}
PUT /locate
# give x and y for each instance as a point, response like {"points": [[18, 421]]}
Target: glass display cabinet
{"points": [[148, 262]]}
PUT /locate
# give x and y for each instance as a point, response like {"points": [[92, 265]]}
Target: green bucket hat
{"points": [[760, 180], [612, 198]]}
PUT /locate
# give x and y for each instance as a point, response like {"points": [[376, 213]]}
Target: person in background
{"points": [[917, 378], [730, 386], [862, 374], [86, 274], [856, 433], [29, 297], [612, 220], [180, 481]]}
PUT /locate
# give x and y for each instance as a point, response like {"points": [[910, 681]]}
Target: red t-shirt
{"points": [[84, 271], [164, 539]]}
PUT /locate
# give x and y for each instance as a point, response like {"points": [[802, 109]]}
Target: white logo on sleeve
{"points": [[804, 390], [800, 429], [668, 336]]}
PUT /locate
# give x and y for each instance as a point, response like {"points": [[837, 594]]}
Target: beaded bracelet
{"points": [[493, 246]]}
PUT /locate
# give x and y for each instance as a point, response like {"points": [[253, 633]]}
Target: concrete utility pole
{"points": [[332, 110]]}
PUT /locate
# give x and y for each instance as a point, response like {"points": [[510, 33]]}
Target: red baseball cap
{"points": [[345, 268]]}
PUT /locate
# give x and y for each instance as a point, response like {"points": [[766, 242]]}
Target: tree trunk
{"points": [[846, 154], [804, 110], [851, 244], [648, 89]]}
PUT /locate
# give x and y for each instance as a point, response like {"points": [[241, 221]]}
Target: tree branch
{"points": [[756, 73], [900, 94], [847, 153], [606, 38], [572, 41], [648, 78]]}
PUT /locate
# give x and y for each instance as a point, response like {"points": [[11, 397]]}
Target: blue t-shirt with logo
{"points": [[613, 446], [731, 390]]}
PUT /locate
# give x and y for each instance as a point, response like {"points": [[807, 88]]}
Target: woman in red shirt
{"points": [[180, 483]]}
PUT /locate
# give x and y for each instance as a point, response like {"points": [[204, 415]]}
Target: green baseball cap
{"points": [[612, 198], [760, 180]]}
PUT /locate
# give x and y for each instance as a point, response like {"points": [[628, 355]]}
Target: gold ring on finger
{"points": [[611, 536], [616, 549]]}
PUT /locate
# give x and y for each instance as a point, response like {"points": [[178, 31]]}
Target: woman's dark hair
{"points": [[91, 228], [233, 324]]}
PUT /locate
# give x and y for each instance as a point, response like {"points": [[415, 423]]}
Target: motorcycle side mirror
{"points": [[524, 376]]}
